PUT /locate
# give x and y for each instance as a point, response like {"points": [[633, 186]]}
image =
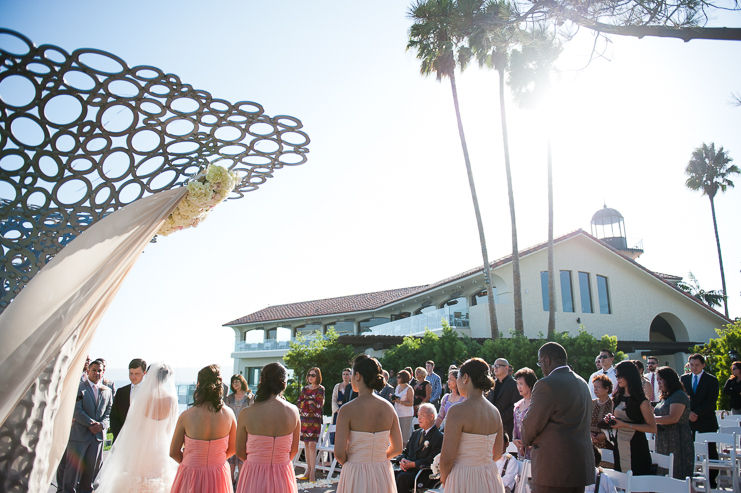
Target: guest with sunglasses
{"points": [[310, 404], [606, 357]]}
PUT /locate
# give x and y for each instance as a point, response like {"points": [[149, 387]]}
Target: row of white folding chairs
{"points": [[661, 460], [727, 463], [658, 484]]}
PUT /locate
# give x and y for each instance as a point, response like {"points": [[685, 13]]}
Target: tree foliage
{"points": [[448, 349], [720, 353], [692, 287], [324, 352]]}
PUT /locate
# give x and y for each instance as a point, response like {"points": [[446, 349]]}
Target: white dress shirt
{"points": [[610, 372], [653, 378], [510, 475], [96, 390], [134, 388]]}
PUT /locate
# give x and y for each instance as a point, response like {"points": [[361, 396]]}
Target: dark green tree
{"points": [[435, 34], [709, 171], [692, 287], [720, 353]]}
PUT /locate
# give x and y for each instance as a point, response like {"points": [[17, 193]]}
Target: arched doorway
{"points": [[667, 327]]}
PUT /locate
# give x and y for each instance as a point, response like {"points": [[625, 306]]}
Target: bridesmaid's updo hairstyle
{"points": [[209, 388], [479, 373], [371, 371], [272, 381]]}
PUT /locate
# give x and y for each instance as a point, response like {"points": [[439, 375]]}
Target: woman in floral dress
{"points": [[525, 379], [310, 404]]}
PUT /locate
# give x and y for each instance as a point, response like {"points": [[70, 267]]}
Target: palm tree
{"points": [[530, 80], [435, 35], [490, 38], [710, 298], [709, 171]]}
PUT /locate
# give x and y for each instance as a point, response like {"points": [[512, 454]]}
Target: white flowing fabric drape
{"points": [[57, 313]]}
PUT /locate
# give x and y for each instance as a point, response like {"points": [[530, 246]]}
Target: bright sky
{"points": [[383, 201]]}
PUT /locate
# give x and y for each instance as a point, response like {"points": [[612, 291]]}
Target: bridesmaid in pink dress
{"points": [[208, 430], [368, 434], [473, 435], [268, 434]]}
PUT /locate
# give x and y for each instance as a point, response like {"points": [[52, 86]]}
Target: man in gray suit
{"points": [[557, 426], [91, 419]]}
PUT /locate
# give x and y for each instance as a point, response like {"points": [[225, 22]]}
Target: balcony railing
{"points": [[416, 324], [268, 345]]}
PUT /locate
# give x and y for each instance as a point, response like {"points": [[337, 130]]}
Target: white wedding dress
{"points": [[139, 461]]}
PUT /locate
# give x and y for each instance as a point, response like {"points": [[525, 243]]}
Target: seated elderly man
{"points": [[422, 447]]}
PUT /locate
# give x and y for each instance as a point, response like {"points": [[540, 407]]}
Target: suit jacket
{"points": [[557, 426], [419, 454], [505, 402], [386, 392], [88, 410], [121, 403], [703, 401]]}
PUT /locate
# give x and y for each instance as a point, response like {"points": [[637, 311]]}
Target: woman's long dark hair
{"points": [[628, 371], [209, 389], [272, 381], [672, 383]]}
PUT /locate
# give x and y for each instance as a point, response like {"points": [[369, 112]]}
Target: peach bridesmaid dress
{"points": [[367, 468], [474, 468], [204, 467], [268, 468]]}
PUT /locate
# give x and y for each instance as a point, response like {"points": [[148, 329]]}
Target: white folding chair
{"points": [[657, 484], [619, 479], [665, 461], [512, 448], [730, 418], [651, 444], [297, 462], [608, 455], [325, 449], [524, 478], [724, 465]]}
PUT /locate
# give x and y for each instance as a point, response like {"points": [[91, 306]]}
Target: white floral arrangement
{"points": [[204, 193], [435, 466], [322, 483]]}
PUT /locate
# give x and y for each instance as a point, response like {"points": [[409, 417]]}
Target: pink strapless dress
{"points": [[204, 467], [367, 469], [474, 468], [268, 468]]}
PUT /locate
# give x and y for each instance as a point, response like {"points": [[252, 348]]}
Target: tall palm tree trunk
{"points": [[720, 257], [474, 197], [551, 272], [516, 288]]}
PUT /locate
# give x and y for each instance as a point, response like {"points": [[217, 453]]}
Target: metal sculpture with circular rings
{"points": [[82, 135]]}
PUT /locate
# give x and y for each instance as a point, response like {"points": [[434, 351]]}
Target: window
{"points": [[482, 297], [585, 291], [272, 334], [544, 288], [567, 299], [366, 325], [604, 295]]}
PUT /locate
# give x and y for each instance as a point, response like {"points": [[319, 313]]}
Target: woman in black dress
{"points": [[422, 389], [633, 417], [732, 388]]}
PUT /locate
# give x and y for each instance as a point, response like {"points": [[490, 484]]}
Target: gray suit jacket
{"points": [[87, 410], [557, 426]]}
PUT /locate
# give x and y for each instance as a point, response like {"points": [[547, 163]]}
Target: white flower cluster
{"points": [[202, 196], [322, 483], [435, 466]]}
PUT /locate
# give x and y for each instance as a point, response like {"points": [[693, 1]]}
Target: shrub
{"points": [[718, 356]]}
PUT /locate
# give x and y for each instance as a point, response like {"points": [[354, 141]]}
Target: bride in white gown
{"points": [[139, 460]]}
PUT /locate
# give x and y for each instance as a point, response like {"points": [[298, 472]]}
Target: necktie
{"points": [[421, 438], [652, 386], [95, 393], [694, 383]]}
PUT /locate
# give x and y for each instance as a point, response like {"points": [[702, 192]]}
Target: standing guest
{"points": [[601, 407], [504, 395], [368, 434], [392, 378], [473, 435], [437, 387], [424, 444], [598, 363], [508, 467], [674, 435], [240, 398], [732, 388], [124, 396], [702, 387], [557, 426], [208, 430], [632, 417], [647, 389], [413, 381], [606, 358], [338, 397], [387, 391], [310, 404], [404, 405], [450, 399], [653, 365], [526, 380], [268, 434], [91, 420], [422, 390], [108, 383]]}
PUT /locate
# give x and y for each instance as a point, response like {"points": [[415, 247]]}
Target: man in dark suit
{"points": [[91, 418], [422, 447], [388, 390], [702, 387], [504, 395], [122, 399], [558, 426]]}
